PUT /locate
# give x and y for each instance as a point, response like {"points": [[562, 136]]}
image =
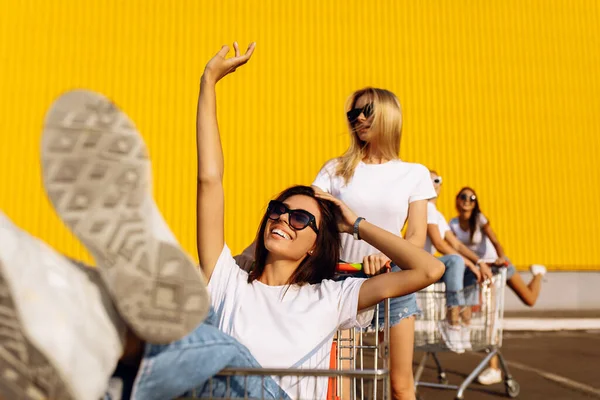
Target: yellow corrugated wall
{"points": [[502, 95]]}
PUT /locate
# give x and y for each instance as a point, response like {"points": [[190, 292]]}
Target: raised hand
{"points": [[219, 66], [348, 217]]}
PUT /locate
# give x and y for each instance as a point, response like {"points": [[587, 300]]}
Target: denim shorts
{"points": [[510, 270], [400, 307]]}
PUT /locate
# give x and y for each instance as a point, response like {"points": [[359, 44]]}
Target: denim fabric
{"points": [[454, 279], [400, 308], [510, 270], [184, 367]]}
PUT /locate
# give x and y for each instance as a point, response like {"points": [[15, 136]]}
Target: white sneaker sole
{"points": [[25, 372], [447, 341], [98, 176]]}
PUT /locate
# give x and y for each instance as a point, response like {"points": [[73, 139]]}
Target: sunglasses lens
{"points": [[368, 110], [470, 198], [299, 220], [276, 209], [353, 114]]}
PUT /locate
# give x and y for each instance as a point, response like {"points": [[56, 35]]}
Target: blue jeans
{"points": [[177, 369], [454, 278]]}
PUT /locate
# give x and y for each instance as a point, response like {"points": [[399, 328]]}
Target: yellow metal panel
{"points": [[499, 95]]}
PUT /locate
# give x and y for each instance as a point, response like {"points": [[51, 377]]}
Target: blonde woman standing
{"points": [[388, 192]]}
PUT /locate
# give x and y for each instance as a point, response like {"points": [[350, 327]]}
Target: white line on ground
{"points": [[550, 324], [557, 378]]}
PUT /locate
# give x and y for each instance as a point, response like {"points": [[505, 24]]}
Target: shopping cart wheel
{"points": [[442, 379], [512, 388]]}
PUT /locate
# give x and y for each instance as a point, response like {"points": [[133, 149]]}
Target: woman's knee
{"points": [[403, 386], [454, 261]]}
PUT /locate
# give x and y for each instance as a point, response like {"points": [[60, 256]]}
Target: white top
{"points": [[481, 244], [380, 193], [285, 326], [434, 217]]}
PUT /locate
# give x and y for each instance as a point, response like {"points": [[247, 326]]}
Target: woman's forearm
{"points": [[209, 149], [401, 252]]}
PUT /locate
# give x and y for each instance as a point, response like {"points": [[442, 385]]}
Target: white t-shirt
{"points": [[285, 326], [481, 243], [434, 217], [380, 193]]}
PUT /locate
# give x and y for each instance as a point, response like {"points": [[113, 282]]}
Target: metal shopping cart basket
{"points": [[485, 304], [358, 367]]}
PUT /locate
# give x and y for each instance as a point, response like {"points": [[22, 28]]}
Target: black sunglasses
{"points": [[299, 219], [464, 197], [367, 111]]}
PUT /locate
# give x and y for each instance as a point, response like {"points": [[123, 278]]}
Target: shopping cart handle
{"points": [[357, 267], [349, 267]]}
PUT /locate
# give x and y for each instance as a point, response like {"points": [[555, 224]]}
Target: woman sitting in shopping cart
{"points": [[287, 309], [473, 229], [462, 273]]}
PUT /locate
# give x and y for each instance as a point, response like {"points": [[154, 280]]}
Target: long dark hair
{"points": [[474, 214], [323, 261]]}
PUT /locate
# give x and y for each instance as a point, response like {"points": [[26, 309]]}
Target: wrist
{"points": [[207, 80], [355, 228]]}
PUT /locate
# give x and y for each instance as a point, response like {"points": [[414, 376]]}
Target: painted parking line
{"points": [[550, 324], [582, 387]]}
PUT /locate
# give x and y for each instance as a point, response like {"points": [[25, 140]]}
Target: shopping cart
{"points": [[485, 331], [358, 364]]}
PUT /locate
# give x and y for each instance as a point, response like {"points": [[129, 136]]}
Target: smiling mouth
{"points": [[281, 234]]}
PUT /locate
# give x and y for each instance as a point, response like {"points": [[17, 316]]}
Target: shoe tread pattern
{"points": [[97, 175]]}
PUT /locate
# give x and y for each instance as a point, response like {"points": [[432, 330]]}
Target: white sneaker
{"points": [[490, 376], [60, 337], [97, 175], [537, 269], [465, 337], [452, 336]]}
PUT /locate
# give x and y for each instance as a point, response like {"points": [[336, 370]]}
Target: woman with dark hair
{"points": [[473, 229], [287, 309], [282, 315]]}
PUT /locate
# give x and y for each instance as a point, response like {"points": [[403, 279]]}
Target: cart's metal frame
{"points": [[485, 335]]}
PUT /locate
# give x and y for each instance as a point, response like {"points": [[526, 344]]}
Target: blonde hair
{"points": [[386, 126]]}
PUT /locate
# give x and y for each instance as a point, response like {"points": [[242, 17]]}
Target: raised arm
{"points": [[210, 199], [420, 269]]}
